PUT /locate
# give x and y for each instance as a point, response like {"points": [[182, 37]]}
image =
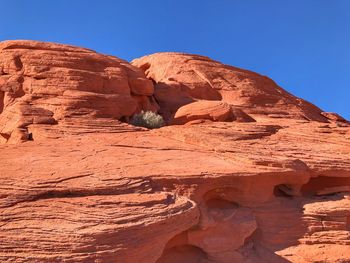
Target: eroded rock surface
{"points": [[183, 78], [270, 183], [55, 84], [204, 110]]}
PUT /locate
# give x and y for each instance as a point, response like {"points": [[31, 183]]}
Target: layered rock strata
{"points": [[243, 172]]}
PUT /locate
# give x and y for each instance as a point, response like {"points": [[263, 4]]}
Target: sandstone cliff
{"points": [[243, 172]]}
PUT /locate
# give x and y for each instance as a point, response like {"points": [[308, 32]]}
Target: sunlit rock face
{"points": [[55, 84], [243, 171], [182, 78]]}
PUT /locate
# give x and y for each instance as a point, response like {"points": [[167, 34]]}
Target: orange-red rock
{"points": [[204, 110], [182, 78], [334, 117], [88, 188], [47, 83], [209, 110]]}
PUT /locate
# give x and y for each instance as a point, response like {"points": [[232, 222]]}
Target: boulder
{"points": [[204, 110]]}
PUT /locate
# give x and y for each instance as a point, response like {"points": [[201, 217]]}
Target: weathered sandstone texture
{"points": [[244, 172], [183, 78], [53, 84]]}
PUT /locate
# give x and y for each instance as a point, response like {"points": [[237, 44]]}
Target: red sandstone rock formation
{"points": [[256, 175], [183, 78], [52, 84]]}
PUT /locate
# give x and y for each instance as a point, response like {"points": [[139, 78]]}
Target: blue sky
{"points": [[304, 45]]}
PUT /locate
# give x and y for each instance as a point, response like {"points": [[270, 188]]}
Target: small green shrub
{"points": [[147, 119]]}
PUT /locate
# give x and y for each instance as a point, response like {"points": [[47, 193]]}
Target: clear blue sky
{"points": [[304, 45]]}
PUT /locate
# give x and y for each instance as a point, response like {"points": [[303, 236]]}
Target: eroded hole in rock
{"points": [[219, 203], [219, 208], [18, 63], [324, 185], [30, 137], [283, 190], [348, 223], [2, 98], [183, 254], [124, 119]]}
